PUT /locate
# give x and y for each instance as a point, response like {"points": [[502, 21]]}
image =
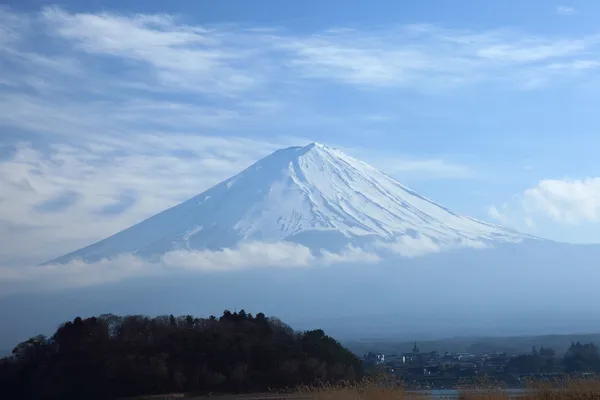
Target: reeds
{"points": [[484, 389], [585, 388], [566, 388], [371, 389]]}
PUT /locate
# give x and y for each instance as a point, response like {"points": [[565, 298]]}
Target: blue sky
{"points": [[115, 110]]}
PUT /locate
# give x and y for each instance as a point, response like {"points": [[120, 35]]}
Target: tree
{"points": [[548, 359], [112, 356], [32, 349], [582, 358]]}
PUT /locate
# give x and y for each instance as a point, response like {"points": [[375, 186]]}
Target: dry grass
{"points": [[366, 390], [572, 389], [485, 389], [567, 389]]}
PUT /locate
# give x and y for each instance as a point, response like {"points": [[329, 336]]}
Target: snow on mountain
{"points": [[313, 195]]}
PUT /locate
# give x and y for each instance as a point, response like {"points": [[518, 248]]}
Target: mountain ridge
{"points": [[314, 195]]}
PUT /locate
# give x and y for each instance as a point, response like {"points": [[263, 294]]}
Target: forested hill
{"points": [[110, 356]]}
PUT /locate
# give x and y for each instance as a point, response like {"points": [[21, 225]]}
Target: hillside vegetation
{"points": [[111, 356]]}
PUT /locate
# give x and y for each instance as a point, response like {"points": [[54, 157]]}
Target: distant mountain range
{"points": [[313, 195]]}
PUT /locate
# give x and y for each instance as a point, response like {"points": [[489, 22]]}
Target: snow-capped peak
{"points": [[314, 194], [318, 146]]}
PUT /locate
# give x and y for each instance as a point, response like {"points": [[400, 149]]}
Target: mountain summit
{"points": [[313, 195]]}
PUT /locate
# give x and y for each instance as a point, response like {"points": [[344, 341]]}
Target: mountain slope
{"points": [[313, 195]]}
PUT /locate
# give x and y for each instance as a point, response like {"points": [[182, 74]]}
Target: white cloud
{"points": [[282, 255], [408, 246], [565, 201], [565, 10], [560, 209], [253, 254]]}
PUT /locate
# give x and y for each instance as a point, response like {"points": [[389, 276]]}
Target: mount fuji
{"points": [[439, 274], [315, 196]]}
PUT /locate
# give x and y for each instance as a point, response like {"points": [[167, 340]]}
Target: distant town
{"points": [[425, 370]]}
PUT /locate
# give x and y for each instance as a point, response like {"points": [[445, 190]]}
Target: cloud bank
{"points": [[77, 273], [411, 247], [247, 255]]}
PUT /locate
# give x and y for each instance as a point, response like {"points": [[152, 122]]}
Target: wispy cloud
{"points": [[176, 55], [56, 195], [565, 10], [156, 52], [429, 57]]}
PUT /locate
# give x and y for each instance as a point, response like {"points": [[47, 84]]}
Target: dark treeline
{"points": [[111, 356], [578, 358], [582, 358]]}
